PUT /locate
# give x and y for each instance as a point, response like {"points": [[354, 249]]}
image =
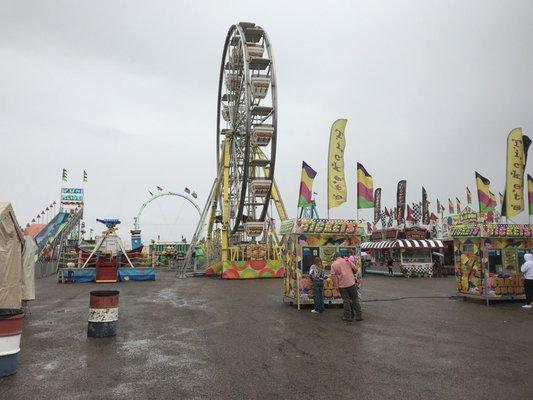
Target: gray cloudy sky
{"points": [[127, 91]]}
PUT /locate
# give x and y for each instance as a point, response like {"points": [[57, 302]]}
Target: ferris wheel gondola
{"points": [[247, 117]]}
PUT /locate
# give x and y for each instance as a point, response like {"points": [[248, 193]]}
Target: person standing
{"points": [[527, 271], [390, 263], [316, 272], [343, 272]]}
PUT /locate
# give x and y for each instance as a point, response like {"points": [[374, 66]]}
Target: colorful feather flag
{"points": [[458, 205], [485, 197], [336, 179], [377, 205], [513, 196], [410, 217], [468, 196], [365, 188], [425, 207], [450, 207], [401, 191], [530, 193], [64, 176], [306, 185]]}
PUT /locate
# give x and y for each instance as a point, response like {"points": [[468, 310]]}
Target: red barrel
{"points": [[103, 313]]}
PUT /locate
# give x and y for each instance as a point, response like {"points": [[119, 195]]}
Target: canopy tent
{"points": [[403, 244], [11, 267]]}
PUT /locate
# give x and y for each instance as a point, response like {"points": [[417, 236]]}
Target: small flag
{"points": [[410, 217], [194, 195], [484, 195], [433, 217], [530, 193], [187, 190], [159, 188], [417, 212], [458, 205], [439, 206], [450, 207], [501, 198], [33, 221], [84, 176], [365, 188], [387, 214], [151, 194], [306, 185], [64, 176], [468, 196]]}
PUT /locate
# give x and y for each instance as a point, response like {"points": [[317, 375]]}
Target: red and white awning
{"points": [[403, 244]]}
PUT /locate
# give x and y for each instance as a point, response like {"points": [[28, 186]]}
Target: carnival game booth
{"points": [[411, 250], [305, 239], [488, 259], [108, 261]]}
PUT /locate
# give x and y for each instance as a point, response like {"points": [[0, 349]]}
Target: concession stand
{"points": [[411, 250], [305, 239], [488, 259]]}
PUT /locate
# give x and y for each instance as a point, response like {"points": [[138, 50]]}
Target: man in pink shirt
{"points": [[342, 272]]}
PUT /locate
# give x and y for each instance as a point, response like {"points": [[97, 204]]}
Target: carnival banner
{"points": [[513, 196], [425, 207], [306, 185], [365, 187], [377, 205], [400, 201], [336, 179], [487, 200]]}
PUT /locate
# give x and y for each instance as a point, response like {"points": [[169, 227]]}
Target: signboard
{"points": [[320, 226], [470, 218], [506, 230], [71, 196], [416, 233], [494, 230]]}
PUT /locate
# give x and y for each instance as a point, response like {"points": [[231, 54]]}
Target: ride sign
{"points": [[71, 196]]}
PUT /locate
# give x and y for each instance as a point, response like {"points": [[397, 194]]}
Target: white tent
{"points": [[11, 248]]}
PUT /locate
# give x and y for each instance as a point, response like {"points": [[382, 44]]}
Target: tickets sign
{"points": [[322, 226], [494, 230]]}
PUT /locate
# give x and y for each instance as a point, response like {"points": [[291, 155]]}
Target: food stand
{"points": [[305, 239], [411, 250], [488, 259]]}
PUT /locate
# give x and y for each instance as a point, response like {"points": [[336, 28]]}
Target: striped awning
{"points": [[403, 244]]}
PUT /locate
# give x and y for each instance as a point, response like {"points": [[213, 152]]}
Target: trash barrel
{"points": [[103, 313], [10, 332]]}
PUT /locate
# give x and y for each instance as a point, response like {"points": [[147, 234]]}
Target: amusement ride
{"points": [[238, 212]]}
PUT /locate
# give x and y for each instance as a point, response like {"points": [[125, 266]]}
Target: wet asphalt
{"points": [[202, 338]]}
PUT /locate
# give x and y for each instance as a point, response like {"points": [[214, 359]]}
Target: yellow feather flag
{"points": [[517, 147], [336, 179]]}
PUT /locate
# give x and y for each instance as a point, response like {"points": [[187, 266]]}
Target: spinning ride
{"points": [[238, 210]]}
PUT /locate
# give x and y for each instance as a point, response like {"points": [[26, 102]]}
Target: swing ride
{"points": [[240, 241]]}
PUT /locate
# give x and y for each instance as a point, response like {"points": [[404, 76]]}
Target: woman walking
{"points": [[316, 272]]}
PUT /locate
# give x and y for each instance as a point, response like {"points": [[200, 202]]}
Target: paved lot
{"points": [[211, 339]]}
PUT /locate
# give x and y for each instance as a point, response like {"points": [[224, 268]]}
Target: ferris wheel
{"points": [[238, 211], [247, 127]]}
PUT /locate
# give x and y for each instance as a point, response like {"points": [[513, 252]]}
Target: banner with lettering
{"points": [[400, 201], [377, 205], [425, 207], [513, 197], [336, 179]]}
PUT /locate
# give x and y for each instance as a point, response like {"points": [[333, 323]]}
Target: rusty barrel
{"points": [[10, 333], [103, 313]]}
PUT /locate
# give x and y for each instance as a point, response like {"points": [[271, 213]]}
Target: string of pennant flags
{"points": [[511, 201]]}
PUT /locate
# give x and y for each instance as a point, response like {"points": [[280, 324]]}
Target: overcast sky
{"points": [[127, 90]]}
